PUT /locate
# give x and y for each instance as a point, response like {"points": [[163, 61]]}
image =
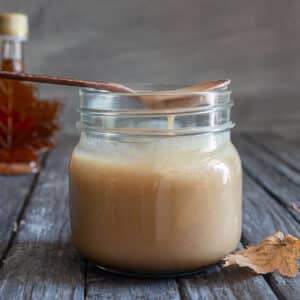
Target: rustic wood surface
{"points": [[39, 262]]}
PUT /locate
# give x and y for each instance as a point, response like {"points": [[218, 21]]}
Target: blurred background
{"points": [[254, 43]]}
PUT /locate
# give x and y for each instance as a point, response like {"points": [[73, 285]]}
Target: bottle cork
{"points": [[14, 24]]}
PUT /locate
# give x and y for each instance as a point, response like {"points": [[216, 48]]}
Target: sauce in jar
{"points": [[155, 204]]}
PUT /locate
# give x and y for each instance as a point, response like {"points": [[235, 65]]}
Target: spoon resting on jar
{"points": [[152, 99]]}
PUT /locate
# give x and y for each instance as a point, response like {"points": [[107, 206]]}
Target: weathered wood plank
{"points": [[264, 214], [280, 147], [262, 217], [281, 150], [261, 165], [213, 284], [14, 190], [101, 285], [41, 263]]}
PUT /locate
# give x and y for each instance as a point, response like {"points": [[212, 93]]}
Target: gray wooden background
{"points": [[255, 43]]}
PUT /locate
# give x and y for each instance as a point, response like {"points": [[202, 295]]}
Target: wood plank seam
{"points": [[274, 287], [245, 242], [248, 233], [252, 140], [42, 264], [259, 203], [268, 191], [266, 188], [25, 204], [85, 271], [180, 290], [273, 174]]}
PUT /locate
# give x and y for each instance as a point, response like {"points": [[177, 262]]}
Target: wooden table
{"points": [[38, 261]]}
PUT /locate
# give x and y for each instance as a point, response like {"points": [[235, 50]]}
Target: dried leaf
{"points": [[276, 252], [295, 207]]}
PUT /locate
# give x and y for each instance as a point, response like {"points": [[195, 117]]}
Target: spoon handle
{"points": [[100, 85], [155, 99]]}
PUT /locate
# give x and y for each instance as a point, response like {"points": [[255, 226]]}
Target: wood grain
{"points": [[283, 150], [101, 285], [12, 201], [265, 214], [213, 284], [41, 263], [270, 173]]}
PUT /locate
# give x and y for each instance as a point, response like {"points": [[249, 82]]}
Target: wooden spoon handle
{"points": [[100, 85], [183, 97]]}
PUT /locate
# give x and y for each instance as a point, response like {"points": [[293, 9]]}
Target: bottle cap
{"points": [[14, 25]]}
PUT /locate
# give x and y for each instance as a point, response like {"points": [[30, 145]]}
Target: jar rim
{"points": [[184, 113], [142, 89], [111, 103]]}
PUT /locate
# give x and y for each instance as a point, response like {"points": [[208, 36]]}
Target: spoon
{"points": [[153, 99], [100, 85]]}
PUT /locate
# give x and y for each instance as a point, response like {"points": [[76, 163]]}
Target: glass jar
{"points": [[155, 186]]}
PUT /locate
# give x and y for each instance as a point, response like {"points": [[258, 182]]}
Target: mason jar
{"points": [[155, 182]]}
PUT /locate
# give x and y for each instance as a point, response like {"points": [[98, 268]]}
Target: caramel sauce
{"points": [[156, 208]]}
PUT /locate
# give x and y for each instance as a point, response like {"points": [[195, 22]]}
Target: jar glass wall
{"points": [[155, 189]]}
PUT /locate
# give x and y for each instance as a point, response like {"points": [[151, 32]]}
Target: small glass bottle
{"points": [[13, 36], [27, 124]]}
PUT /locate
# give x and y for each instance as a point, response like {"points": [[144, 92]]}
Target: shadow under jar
{"points": [[155, 190]]}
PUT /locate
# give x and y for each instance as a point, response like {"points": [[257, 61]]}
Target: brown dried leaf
{"points": [[276, 252]]}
